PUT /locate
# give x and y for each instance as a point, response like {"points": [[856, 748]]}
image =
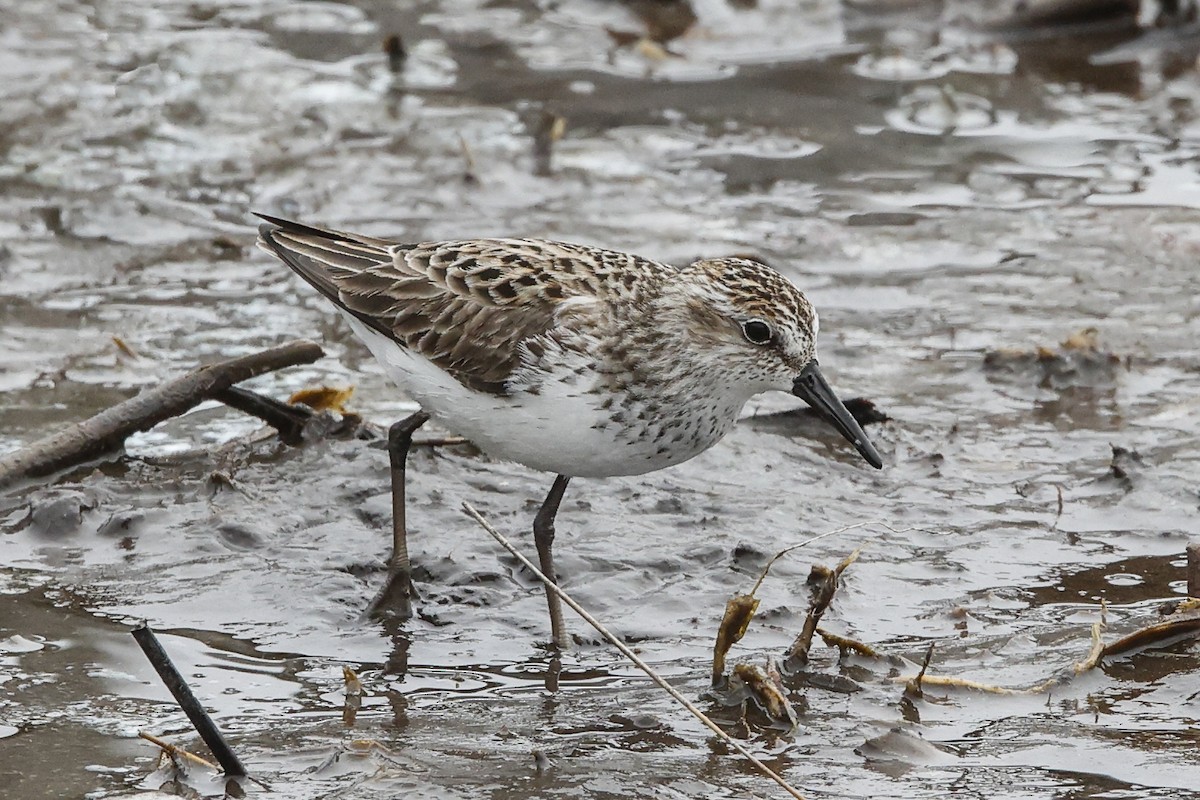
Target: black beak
{"points": [[812, 388]]}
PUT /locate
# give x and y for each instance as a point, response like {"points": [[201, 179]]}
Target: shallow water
{"points": [[939, 194]]}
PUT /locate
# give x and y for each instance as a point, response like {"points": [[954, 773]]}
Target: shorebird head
{"points": [[764, 331]]}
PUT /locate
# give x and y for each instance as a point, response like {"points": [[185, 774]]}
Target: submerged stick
{"points": [[913, 687], [625, 651], [288, 420], [1193, 569], [176, 752], [200, 719], [109, 429]]}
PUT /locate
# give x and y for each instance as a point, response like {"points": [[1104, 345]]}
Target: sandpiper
{"points": [[569, 359]]}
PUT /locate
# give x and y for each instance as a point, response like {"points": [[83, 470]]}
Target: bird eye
{"points": [[757, 331]]}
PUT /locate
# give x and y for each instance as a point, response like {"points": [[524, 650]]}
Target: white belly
{"points": [[560, 429]]}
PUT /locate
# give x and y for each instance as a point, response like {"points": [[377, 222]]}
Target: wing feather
{"points": [[468, 306]]}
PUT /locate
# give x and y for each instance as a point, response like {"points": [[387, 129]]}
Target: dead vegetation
{"points": [[1077, 361], [772, 689], [107, 431]]}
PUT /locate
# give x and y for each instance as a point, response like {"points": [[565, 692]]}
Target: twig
{"points": [[393, 48], [187, 701], [950, 681], [1094, 655], [469, 176], [353, 700], [1059, 510], [109, 429], [1159, 634], [913, 687], [617, 643], [844, 644], [1193, 569], [548, 129], [441, 441], [177, 752], [288, 420], [797, 655]]}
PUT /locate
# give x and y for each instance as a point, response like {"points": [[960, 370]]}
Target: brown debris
{"points": [[651, 50], [393, 47], [824, 582], [177, 754], [664, 19], [323, 398], [1124, 465], [1162, 634], [353, 701], [441, 441], [739, 610], [470, 177], [846, 645], [541, 762], [691, 707], [1186, 606], [1076, 361], [1193, 569], [124, 349], [1035, 14], [766, 689], [913, 687], [623, 38], [547, 130]]}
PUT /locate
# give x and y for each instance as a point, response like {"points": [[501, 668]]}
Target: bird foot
{"points": [[394, 600]]}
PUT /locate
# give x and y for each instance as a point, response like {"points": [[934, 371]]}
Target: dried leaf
{"points": [[767, 693], [1086, 339], [353, 683], [739, 610], [323, 398], [124, 349]]}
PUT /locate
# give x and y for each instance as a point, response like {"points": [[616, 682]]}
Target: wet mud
{"points": [[957, 201]]}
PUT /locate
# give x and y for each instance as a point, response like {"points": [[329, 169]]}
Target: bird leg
{"points": [[543, 538], [395, 598]]}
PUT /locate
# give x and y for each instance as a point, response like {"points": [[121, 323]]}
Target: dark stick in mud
{"points": [[289, 420], [1193, 569], [397, 54], [108, 430], [187, 701], [548, 129]]}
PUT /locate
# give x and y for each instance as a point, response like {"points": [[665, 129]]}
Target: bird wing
{"points": [[471, 307]]}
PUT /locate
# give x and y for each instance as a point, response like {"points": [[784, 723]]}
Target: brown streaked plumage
{"points": [[467, 306], [566, 358]]}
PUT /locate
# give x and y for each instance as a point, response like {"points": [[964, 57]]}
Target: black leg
{"points": [[395, 598], [543, 538]]}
